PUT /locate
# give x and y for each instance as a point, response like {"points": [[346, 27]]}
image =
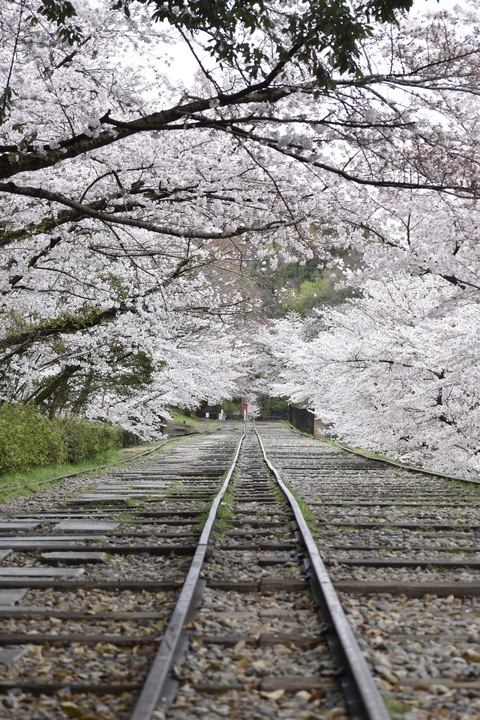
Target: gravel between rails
{"points": [[64, 705]]}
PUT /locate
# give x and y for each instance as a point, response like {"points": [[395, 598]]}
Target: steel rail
{"points": [[361, 694], [158, 687]]}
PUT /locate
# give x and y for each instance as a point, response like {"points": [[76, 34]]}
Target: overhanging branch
{"points": [[110, 218]]}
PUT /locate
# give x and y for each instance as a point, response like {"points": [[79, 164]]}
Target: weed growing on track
{"points": [[396, 709], [224, 512], [305, 509]]}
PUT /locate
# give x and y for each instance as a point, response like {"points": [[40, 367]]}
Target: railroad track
{"points": [[97, 592], [129, 601], [258, 645]]}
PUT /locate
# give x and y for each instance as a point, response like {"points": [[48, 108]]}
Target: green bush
{"points": [[28, 439], [85, 440]]}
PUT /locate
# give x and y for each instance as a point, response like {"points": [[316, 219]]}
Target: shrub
{"points": [[85, 440], [28, 439]]}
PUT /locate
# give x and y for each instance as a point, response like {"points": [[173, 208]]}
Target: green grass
{"points": [[366, 453], [378, 456], [224, 514], [190, 422], [395, 708], [224, 511], [305, 509], [31, 482]]}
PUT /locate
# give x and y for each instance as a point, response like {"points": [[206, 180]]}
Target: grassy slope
{"points": [[32, 481]]}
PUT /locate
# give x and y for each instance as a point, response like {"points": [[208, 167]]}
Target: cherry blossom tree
{"points": [[131, 203], [396, 371]]}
